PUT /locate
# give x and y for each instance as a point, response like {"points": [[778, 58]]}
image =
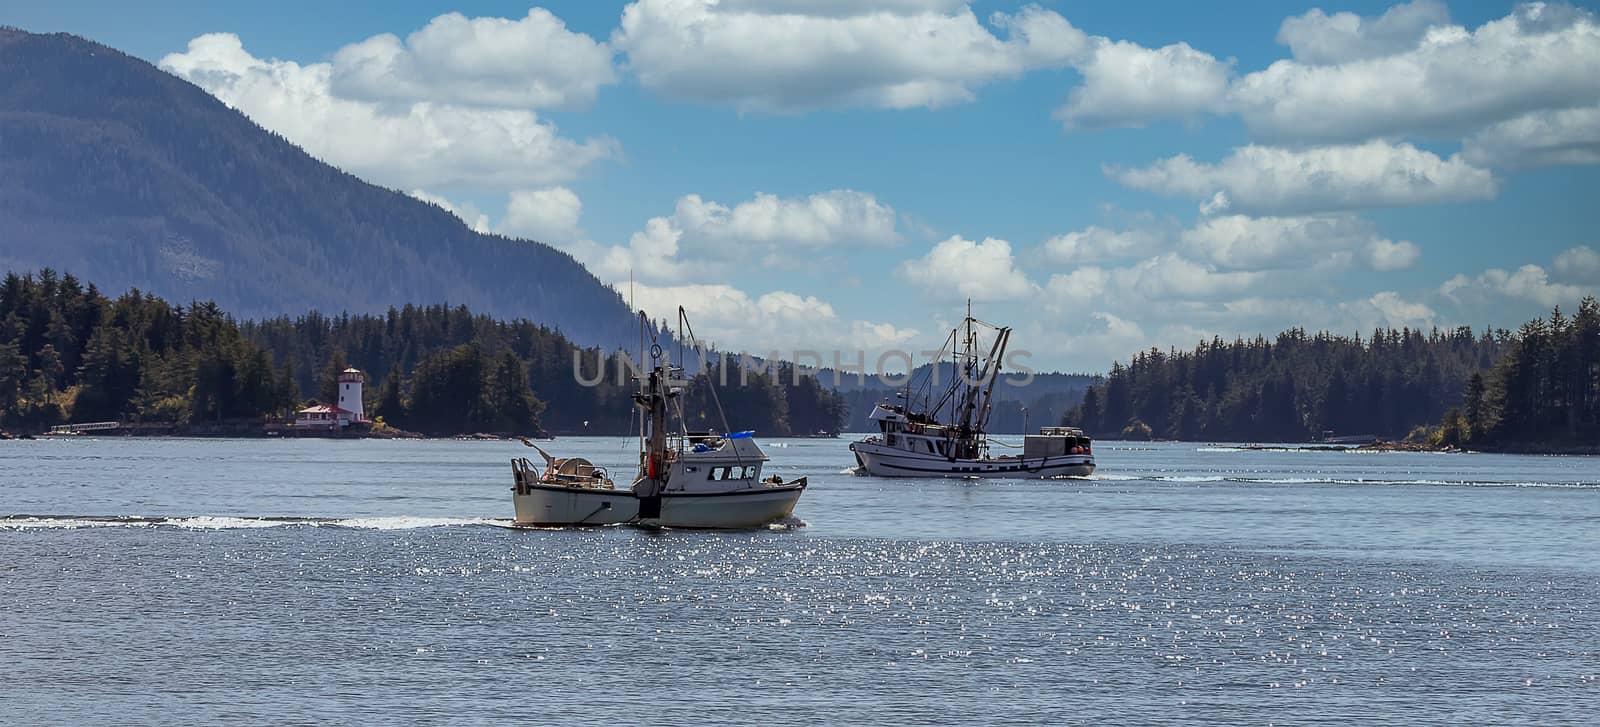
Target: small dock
{"points": [[69, 429]]}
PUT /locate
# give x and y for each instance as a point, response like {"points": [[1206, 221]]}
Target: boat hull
{"points": [[560, 506], [569, 506], [882, 461], [739, 509]]}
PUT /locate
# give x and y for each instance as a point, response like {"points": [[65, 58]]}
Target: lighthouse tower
{"points": [[350, 381]]}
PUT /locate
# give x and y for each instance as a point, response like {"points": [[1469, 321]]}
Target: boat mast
{"points": [[992, 374], [652, 400]]}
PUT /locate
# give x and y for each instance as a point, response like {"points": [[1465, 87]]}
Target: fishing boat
{"points": [[685, 479], [921, 436]]}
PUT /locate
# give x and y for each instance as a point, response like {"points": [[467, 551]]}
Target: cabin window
{"points": [[719, 473], [889, 438], [928, 446]]}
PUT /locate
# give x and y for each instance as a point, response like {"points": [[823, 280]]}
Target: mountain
{"points": [[118, 172]]}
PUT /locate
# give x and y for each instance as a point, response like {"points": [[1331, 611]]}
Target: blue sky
{"points": [[829, 174]]}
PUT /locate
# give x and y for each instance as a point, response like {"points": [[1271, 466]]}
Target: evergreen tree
{"points": [[389, 406], [328, 384]]}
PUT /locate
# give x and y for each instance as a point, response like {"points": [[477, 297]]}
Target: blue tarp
{"points": [[742, 435]]}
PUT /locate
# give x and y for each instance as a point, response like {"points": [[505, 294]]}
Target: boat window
{"points": [[748, 473], [889, 439], [928, 446], [719, 473]]}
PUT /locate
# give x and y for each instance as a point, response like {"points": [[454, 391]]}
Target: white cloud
{"points": [[1579, 265], [982, 271], [650, 255], [417, 145], [1274, 243], [1320, 39], [1538, 139], [1384, 255], [1273, 180], [841, 8], [827, 218], [778, 321], [549, 215], [1264, 315], [767, 230], [1097, 244], [1125, 84], [1173, 277], [1540, 57], [1528, 283], [780, 59], [1398, 312], [533, 62], [1081, 289], [1087, 340], [467, 212]]}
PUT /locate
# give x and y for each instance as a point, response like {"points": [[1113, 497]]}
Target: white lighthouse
{"points": [[350, 381]]}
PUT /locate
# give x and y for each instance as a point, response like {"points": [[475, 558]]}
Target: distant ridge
{"points": [[121, 173]]}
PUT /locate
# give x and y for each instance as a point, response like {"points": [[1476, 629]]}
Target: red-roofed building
{"points": [[323, 416]]}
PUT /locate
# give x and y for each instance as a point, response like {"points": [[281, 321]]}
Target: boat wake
{"points": [[788, 523], [212, 522]]}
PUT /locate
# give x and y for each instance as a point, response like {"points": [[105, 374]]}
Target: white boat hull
{"points": [[555, 505], [882, 461], [563, 506], [741, 509]]}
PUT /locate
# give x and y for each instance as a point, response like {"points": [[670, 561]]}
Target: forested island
{"points": [[1533, 389], [68, 353]]}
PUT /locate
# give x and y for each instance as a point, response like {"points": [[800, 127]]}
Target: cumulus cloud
{"points": [[1097, 244], [532, 62], [1273, 243], [1398, 312], [650, 255], [421, 144], [1385, 255], [1274, 180], [1538, 139], [467, 212], [549, 215], [1253, 315], [982, 271], [769, 229], [1077, 290], [842, 8], [1125, 84], [778, 321], [793, 56], [1540, 57], [1320, 39], [1174, 277], [1579, 265], [1528, 283], [827, 218]]}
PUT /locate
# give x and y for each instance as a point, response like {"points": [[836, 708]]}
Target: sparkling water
{"points": [[170, 580]]}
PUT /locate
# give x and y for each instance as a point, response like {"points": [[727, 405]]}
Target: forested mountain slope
{"points": [[131, 177]]}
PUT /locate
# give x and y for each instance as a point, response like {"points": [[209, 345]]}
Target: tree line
{"points": [[1542, 395], [68, 353], [1291, 388]]}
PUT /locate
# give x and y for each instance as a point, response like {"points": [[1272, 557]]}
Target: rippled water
{"points": [[264, 581]]}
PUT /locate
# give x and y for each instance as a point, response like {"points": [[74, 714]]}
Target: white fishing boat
{"points": [[913, 441], [685, 479]]}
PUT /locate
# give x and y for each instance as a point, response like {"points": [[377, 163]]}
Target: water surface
{"points": [[152, 580]]}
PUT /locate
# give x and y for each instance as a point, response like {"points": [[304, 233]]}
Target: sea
{"points": [[164, 581]]}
